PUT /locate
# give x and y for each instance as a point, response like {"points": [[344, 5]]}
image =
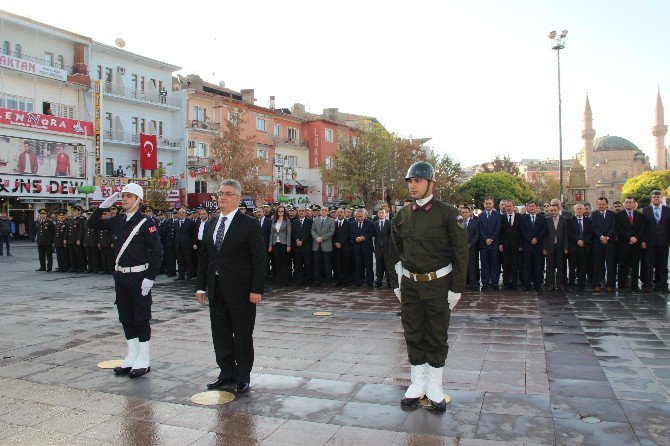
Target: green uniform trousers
{"points": [[425, 319]]}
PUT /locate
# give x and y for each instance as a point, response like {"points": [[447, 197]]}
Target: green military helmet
{"points": [[420, 169]]}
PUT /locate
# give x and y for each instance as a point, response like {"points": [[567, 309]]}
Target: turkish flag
{"points": [[148, 152]]}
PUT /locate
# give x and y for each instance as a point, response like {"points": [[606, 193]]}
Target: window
{"points": [[142, 80], [160, 128], [291, 161], [135, 124], [330, 190], [48, 59], [200, 187], [60, 110], [153, 83], [155, 126], [277, 131], [199, 113], [109, 167], [6, 47], [329, 162], [61, 62], [100, 72], [329, 135], [260, 124], [143, 124], [160, 86], [624, 175], [200, 149], [17, 103], [263, 154], [614, 174], [18, 50], [293, 133], [108, 121], [133, 81], [134, 168], [108, 75], [354, 141]]}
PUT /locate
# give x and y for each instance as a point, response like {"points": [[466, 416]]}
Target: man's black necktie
{"points": [[219, 234]]}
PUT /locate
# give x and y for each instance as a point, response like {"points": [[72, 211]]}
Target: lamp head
{"points": [[564, 33], [552, 34]]}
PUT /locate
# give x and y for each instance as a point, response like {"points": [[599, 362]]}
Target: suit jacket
{"points": [[625, 230], [367, 231], [241, 260], [656, 233], [556, 234], [529, 231], [472, 231], [382, 237], [184, 234], [510, 236], [324, 231], [573, 234], [45, 232], [166, 230], [302, 231], [489, 228], [341, 234], [603, 226], [284, 233], [266, 228], [196, 228], [566, 214]]}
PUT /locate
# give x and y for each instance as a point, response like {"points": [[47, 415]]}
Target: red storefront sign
{"points": [[45, 122]]}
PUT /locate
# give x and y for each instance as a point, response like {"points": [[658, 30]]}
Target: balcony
{"points": [[207, 126], [121, 137], [122, 91], [36, 60], [292, 142]]}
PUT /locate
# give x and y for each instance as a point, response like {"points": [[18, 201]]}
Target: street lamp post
{"points": [[558, 43]]}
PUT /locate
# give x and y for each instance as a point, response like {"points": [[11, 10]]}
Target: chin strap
{"points": [[427, 191]]}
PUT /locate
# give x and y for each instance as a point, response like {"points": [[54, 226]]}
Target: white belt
{"points": [[132, 269], [427, 277]]}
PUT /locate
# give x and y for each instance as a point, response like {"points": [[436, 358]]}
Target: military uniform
{"points": [[167, 236], [75, 231], [92, 251], [62, 254], [106, 251], [45, 232]]}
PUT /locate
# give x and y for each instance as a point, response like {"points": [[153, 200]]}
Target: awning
{"points": [[291, 182]]}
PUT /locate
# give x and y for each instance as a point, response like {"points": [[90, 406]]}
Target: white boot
{"points": [[434, 390], [141, 364], [418, 387], [133, 348]]}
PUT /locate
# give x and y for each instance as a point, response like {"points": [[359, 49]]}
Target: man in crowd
{"points": [[579, 236], [629, 225], [472, 230], [91, 247], [45, 231], [323, 228], [342, 249], [361, 234], [510, 242], [656, 241], [382, 228], [489, 245], [533, 231], [62, 254], [75, 232], [184, 244], [602, 224], [555, 249], [301, 239]]}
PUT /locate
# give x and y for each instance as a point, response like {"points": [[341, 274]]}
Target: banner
{"points": [[31, 186], [45, 122], [26, 66], [148, 152], [41, 158], [97, 116]]}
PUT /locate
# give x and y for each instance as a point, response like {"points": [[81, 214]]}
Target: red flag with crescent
{"points": [[148, 152]]}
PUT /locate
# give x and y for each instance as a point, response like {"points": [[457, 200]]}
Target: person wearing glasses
{"points": [[301, 241], [45, 230], [279, 245], [184, 228], [231, 275]]}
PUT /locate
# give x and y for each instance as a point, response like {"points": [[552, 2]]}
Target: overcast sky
{"points": [[479, 77]]}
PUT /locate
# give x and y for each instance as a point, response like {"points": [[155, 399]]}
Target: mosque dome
{"points": [[605, 143]]}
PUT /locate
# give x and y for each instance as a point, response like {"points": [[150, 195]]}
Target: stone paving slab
{"points": [[523, 368]]}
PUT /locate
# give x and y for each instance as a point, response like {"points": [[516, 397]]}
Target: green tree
{"points": [[640, 186], [545, 186], [448, 176], [158, 190], [504, 164], [499, 185]]}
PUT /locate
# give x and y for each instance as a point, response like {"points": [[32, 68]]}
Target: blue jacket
{"points": [[489, 228]]}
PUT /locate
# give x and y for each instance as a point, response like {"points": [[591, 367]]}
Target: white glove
{"points": [[397, 292], [109, 201], [146, 286], [453, 299]]}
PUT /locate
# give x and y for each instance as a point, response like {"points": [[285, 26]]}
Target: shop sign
{"points": [[45, 122], [20, 156], [30, 186], [18, 64]]}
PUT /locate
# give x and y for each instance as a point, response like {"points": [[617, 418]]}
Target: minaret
{"points": [[659, 131], [587, 135]]}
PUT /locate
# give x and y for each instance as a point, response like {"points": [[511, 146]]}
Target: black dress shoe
{"points": [[220, 382], [134, 373], [409, 402], [122, 370], [439, 407], [378, 285], [171, 275], [40, 269], [242, 387], [665, 290], [635, 289], [48, 270]]}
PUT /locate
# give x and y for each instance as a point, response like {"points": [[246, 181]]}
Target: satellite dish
{"points": [[120, 42]]}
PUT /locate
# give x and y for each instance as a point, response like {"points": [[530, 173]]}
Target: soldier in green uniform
{"points": [[91, 247], [62, 255], [45, 230], [429, 249], [75, 240]]}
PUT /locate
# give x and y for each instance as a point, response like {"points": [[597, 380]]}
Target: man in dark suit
{"points": [[382, 228], [472, 229], [656, 240], [555, 249], [323, 228], [198, 235], [533, 232], [489, 245], [561, 212], [361, 234], [266, 228], [166, 231], [301, 240], [510, 242], [183, 244], [629, 226], [342, 249], [602, 223], [579, 245], [232, 271], [45, 231]]}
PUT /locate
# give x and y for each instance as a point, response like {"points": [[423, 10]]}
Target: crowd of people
{"points": [[541, 246]]}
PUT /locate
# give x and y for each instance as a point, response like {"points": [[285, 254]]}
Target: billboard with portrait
{"points": [[20, 156]]}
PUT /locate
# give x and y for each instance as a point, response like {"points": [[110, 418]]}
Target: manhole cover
{"points": [[590, 419], [212, 398], [110, 364], [322, 313]]}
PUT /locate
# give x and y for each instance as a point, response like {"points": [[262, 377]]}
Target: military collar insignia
{"points": [[425, 208]]}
